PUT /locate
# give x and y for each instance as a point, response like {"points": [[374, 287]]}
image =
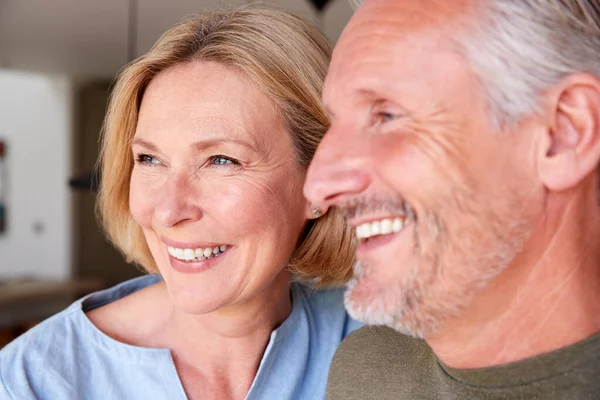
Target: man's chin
{"points": [[364, 301], [378, 303]]}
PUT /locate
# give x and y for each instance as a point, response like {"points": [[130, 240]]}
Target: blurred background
{"points": [[58, 59]]}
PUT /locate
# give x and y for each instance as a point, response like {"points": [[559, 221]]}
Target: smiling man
{"points": [[464, 148]]}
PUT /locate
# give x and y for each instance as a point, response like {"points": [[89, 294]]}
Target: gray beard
{"points": [[431, 292]]}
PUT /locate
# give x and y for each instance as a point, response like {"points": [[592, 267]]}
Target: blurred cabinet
{"points": [[90, 39], [94, 256]]}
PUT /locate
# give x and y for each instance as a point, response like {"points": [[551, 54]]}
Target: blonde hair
{"points": [[287, 58]]}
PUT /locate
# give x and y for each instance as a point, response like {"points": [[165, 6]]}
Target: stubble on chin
{"points": [[434, 289]]}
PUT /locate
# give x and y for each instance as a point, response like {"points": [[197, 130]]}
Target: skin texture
{"points": [[216, 322], [503, 219]]}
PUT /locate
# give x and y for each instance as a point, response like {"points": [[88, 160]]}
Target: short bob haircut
{"points": [[287, 58]]}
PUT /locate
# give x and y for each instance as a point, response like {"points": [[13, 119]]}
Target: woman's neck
{"points": [[232, 330], [217, 352], [220, 352]]}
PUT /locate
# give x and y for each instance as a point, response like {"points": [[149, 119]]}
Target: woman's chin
{"points": [[195, 303]]}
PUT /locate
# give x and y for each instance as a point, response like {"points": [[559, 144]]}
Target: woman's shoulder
{"points": [[36, 341], [38, 349], [325, 306], [62, 343], [132, 311], [324, 300], [309, 337]]}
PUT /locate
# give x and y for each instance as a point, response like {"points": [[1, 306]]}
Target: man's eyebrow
{"points": [[364, 93], [368, 93]]}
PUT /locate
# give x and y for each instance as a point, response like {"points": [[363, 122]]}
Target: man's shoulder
{"points": [[378, 358], [377, 345]]}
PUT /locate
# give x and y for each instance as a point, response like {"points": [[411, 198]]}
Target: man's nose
{"points": [[177, 201], [338, 170]]}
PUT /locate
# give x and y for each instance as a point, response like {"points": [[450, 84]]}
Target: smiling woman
{"points": [[204, 154]]}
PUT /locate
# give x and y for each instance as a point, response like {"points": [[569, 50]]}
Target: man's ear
{"points": [[570, 150]]}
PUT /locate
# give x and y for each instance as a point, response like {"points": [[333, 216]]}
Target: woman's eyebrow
{"points": [[200, 145], [206, 144], [145, 143]]}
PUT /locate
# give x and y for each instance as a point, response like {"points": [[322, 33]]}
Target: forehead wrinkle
{"points": [[394, 17], [366, 52], [414, 13], [409, 21]]}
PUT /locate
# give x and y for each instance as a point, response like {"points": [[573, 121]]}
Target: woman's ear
{"points": [[570, 150]]}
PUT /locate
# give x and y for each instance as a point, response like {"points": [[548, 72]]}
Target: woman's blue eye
{"points": [[221, 160], [146, 159]]}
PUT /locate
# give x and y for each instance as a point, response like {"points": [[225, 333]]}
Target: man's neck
{"points": [[547, 299]]}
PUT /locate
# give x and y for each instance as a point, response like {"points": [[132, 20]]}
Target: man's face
{"points": [[441, 202]]}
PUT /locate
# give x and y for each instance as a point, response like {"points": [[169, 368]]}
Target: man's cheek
{"points": [[412, 166]]}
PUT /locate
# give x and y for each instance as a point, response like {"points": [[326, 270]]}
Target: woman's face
{"points": [[216, 187]]}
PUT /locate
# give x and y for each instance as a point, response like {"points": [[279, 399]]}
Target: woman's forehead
{"points": [[208, 100]]}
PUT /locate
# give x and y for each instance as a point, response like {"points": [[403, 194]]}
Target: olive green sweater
{"points": [[378, 363]]}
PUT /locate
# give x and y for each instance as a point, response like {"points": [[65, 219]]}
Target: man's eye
{"points": [[145, 159], [382, 117], [386, 117], [222, 160]]}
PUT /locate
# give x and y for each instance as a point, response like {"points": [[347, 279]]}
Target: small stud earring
{"points": [[317, 212]]}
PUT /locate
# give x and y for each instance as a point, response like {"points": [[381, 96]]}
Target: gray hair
{"points": [[518, 49], [521, 48], [355, 4]]}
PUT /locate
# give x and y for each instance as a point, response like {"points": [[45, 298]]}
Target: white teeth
{"points": [[359, 231], [375, 228], [386, 226], [199, 253], [381, 227], [189, 254], [397, 225], [196, 254]]}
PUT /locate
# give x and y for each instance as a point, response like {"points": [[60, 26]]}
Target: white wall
{"points": [[36, 123]]}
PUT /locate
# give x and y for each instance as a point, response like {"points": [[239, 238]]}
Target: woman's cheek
{"points": [[251, 205], [141, 202]]}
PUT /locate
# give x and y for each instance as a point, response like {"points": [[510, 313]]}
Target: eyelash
{"points": [[383, 117], [231, 161], [142, 159], [145, 159]]}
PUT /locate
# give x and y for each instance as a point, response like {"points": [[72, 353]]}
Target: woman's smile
{"points": [[198, 263]]}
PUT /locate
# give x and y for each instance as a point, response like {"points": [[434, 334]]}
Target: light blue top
{"points": [[67, 357]]}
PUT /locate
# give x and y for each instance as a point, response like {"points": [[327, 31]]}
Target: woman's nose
{"points": [[338, 170], [177, 201]]}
